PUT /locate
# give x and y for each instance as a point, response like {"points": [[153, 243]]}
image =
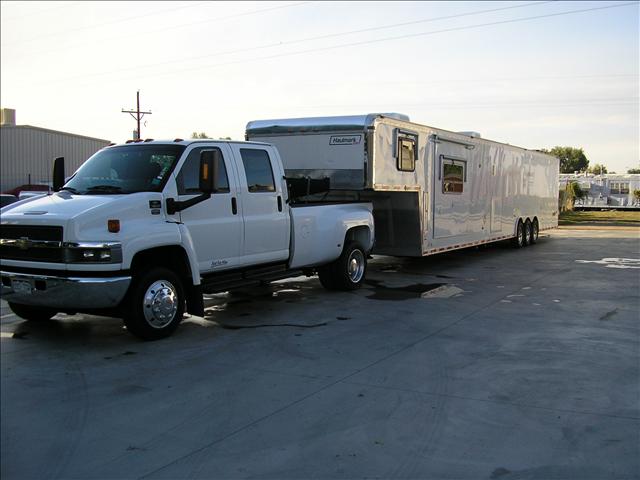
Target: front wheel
{"points": [[31, 313], [155, 305], [348, 271]]}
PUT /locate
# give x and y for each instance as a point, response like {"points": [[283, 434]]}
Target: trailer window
{"points": [[452, 176], [407, 150], [257, 168]]}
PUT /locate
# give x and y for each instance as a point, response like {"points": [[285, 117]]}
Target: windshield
{"points": [[126, 169]]}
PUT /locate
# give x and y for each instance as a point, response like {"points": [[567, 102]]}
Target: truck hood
{"points": [[59, 206], [84, 217]]}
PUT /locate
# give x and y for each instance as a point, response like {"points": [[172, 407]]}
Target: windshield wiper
{"points": [[71, 189], [104, 189]]}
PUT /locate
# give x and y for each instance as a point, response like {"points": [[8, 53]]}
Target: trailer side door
{"points": [[452, 191]]}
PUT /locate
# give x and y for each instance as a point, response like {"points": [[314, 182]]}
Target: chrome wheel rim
{"points": [[521, 235], [355, 266], [535, 232], [527, 232], [160, 304]]}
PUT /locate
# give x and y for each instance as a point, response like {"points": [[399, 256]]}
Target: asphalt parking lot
{"points": [[484, 364]]}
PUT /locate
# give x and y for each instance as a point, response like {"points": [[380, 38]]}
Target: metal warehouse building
{"points": [[27, 153]]}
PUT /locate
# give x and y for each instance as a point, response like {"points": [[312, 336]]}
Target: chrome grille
{"points": [[34, 243]]}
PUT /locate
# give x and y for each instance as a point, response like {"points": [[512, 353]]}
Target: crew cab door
{"points": [[215, 225], [267, 226]]}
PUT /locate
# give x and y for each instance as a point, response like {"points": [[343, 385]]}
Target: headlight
{"points": [[93, 252]]}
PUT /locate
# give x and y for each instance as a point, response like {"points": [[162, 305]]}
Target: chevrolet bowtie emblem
{"points": [[23, 243]]}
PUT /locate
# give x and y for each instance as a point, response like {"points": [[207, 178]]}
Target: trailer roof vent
{"points": [[397, 116], [471, 134]]}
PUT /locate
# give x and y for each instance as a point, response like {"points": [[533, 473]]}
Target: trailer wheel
{"points": [[348, 271], [31, 313], [155, 304], [527, 232], [535, 231], [518, 241]]}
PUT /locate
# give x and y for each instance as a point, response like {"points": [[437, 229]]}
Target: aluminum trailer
{"points": [[432, 190]]}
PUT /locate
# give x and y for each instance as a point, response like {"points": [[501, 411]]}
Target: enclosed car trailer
{"points": [[432, 190]]}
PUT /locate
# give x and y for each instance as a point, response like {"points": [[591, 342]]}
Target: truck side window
{"points": [[188, 178], [453, 176], [407, 151], [257, 168]]}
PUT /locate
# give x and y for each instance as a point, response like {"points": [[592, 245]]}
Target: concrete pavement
{"points": [[492, 363]]}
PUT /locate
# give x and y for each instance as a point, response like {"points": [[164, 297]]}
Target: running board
{"points": [[223, 281]]}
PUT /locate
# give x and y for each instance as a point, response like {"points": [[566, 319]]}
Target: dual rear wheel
{"points": [[527, 233], [348, 271]]}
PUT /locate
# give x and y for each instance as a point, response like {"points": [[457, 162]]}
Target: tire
{"points": [[155, 305], [348, 271], [535, 232], [325, 274], [31, 313], [527, 232], [518, 241]]}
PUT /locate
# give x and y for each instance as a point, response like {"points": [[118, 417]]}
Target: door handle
{"points": [[234, 206], [279, 203]]}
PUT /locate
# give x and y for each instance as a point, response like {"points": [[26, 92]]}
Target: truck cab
{"points": [[143, 229]]}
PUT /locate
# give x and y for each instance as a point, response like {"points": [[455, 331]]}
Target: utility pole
{"points": [[138, 115]]}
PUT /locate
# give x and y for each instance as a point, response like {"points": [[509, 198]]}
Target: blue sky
{"points": [[570, 79]]}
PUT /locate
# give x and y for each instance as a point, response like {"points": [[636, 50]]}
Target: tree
{"points": [[204, 135], [571, 159], [572, 192], [597, 169], [633, 170], [636, 197], [199, 135]]}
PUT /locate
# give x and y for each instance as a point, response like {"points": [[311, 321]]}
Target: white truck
{"points": [[143, 229], [432, 190]]}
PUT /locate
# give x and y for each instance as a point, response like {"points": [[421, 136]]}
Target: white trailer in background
{"points": [[432, 190]]}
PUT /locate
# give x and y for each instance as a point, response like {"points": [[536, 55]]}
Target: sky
{"points": [[534, 74]]}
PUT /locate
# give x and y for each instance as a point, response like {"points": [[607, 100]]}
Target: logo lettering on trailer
{"points": [[345, 139]]}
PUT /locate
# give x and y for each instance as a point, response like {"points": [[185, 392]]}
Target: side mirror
{"points": [[58, 174], [209, 161]]}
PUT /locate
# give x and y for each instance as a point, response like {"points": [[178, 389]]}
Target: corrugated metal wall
{"points": [[27, 153]]}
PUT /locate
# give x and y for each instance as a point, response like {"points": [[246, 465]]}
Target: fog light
{"points": [[105, 255], [88, 254]]}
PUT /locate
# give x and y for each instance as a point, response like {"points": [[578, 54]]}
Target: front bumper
{"points": [[65, 293]]}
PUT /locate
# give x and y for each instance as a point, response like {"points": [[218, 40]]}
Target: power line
{"points": [[480, 80], [528, 104], [351, 32], [387, 39], [112, 22], [303, 40], [352, 44], [477, 80], [182, 25]]}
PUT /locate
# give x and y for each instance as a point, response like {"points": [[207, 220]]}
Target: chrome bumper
{"points": [[66, 293]]}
